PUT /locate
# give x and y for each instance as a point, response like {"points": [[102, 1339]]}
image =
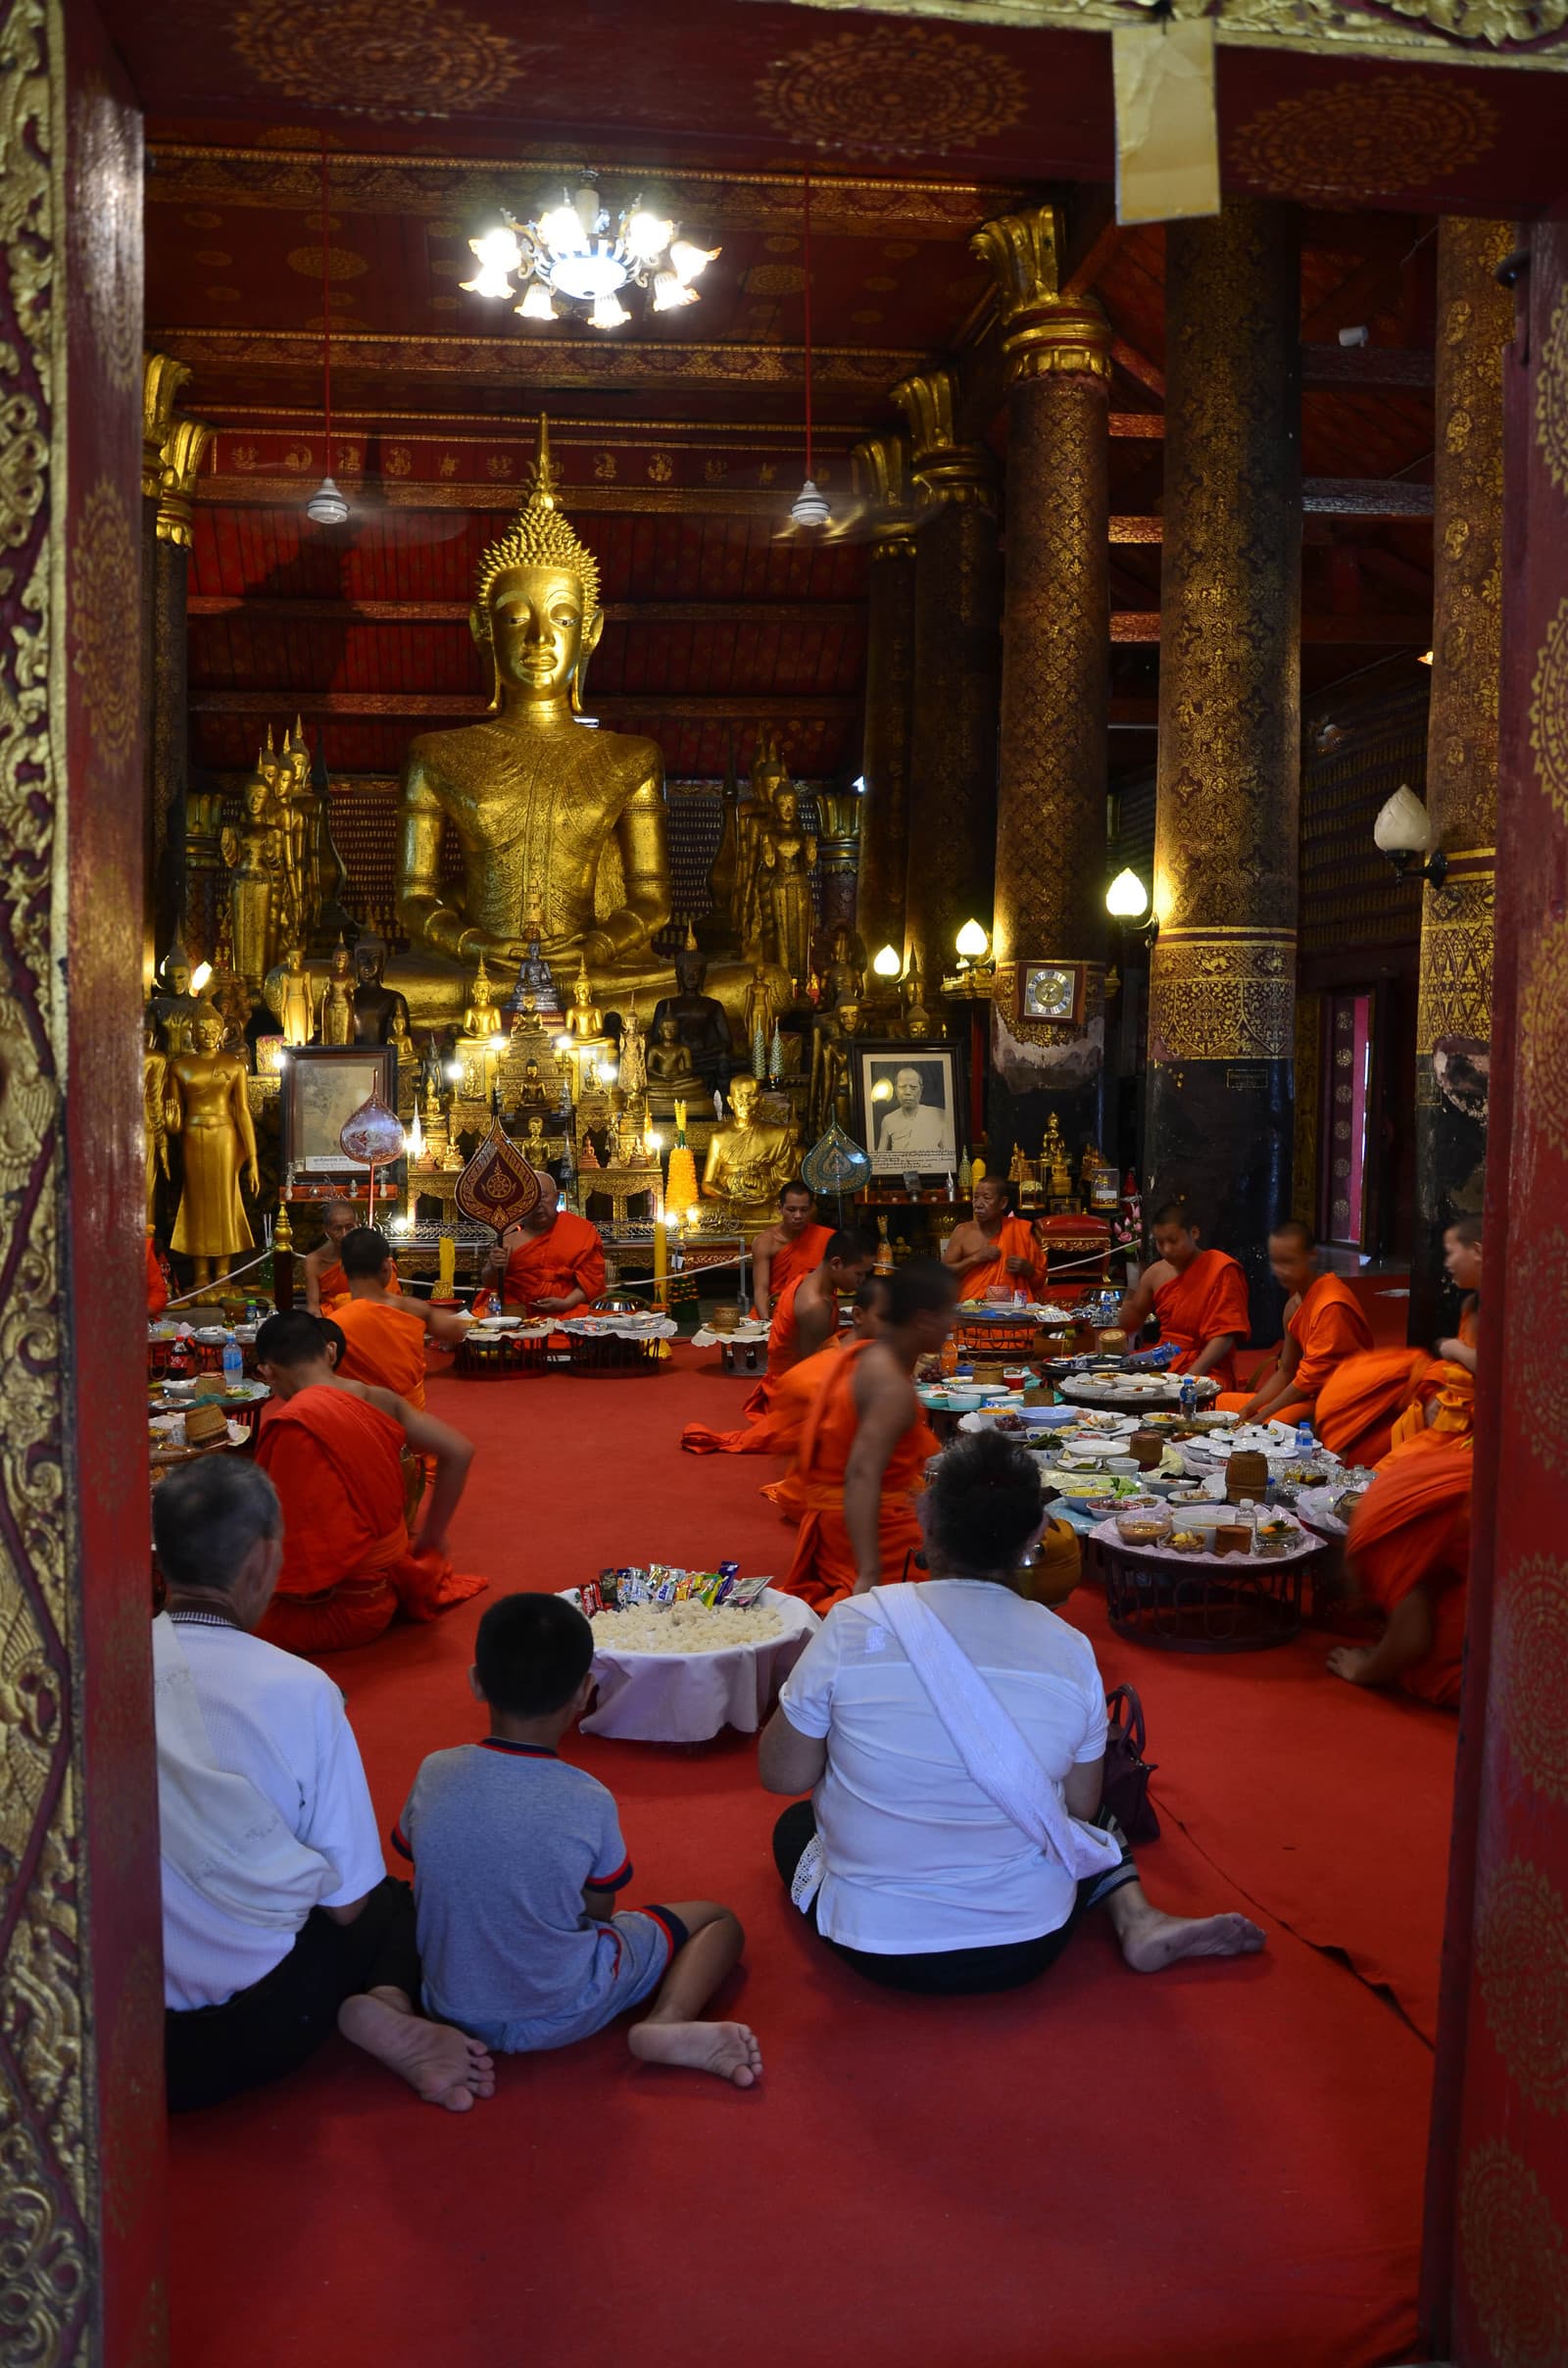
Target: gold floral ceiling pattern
{"points": [[415, 59], [892, 90], [1387, 134]]}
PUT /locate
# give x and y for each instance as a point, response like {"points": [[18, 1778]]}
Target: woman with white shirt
{"points": [[953, 1736]]}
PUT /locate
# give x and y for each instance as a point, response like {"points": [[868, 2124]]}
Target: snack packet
{"points": [[609, 1590], [747, 1591], [590, 1600], [666, 1584]]}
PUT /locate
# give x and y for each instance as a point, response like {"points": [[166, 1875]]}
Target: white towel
{"points": [[214, 1827], [987, 1741]]}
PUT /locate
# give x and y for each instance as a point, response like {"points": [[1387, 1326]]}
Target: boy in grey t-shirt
{"points": [[517, 1865]]}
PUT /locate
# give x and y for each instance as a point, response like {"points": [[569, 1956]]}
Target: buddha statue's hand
{"points": [[253, 1177]]}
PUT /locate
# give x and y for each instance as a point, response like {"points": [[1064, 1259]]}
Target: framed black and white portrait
{"points": [[910, 1108], [322, 1086]]}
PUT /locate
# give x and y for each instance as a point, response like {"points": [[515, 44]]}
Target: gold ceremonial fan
{"points": [[498, 1187]]}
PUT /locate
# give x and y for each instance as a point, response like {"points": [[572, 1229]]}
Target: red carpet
{"points": [[1205, 2169]]}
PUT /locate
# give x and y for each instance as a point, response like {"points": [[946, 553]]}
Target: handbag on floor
{"points": [[1127, 1771]]}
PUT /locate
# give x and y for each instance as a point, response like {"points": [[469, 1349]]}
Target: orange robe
{"points": [[348, 1568], [1412, 1529], [823, 1571], [778, 1431], [793, 1260], [1444, 1406], [1328, 1327], [570, 1257], [334, 1285], [783, 1351], [1194, 1308], [1359, 1402], [1016, 1240], [157, 1286], [385, 1345]]}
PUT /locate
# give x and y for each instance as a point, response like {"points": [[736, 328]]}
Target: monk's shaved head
{"points": [[295, 1339], [363, 1251]]}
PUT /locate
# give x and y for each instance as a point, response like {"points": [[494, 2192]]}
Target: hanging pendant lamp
{"points": [[326, 506], [810, 507]]}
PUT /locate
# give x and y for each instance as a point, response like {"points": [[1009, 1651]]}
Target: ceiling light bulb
{"points": [[1403, 826], [588, 210], [971, 941], [1426, 657], [1127, 899], [489, 280], [497, 250], [668, 292], [536, 304], [692, 261], [887, 964], [647, 235], [562, 229], [810, 508], [608, 312], [327, 505]]}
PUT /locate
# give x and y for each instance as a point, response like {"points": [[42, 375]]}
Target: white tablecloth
{"points": [[705, 1337], [676, 1697]]}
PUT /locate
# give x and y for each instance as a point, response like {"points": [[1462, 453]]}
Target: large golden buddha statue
{"points": [[542, 803]]}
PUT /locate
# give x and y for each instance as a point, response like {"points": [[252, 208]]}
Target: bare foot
{"points": [[1156, 1941], [1351, 1662], [728, 2049], [441, 2064]]}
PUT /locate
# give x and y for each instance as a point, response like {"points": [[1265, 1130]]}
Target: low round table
{"points": [[687, 1697], [1204, 1602], [743, 1351]]}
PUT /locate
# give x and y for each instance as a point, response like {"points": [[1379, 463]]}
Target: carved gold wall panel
{"points": [[1514, 2258], [1454, 999], [1529, 1645], [1522, 1969], [1548, 711], [1551, 395], [1542, 1070], [1222, 998]]}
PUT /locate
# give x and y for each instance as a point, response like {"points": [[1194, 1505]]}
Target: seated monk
{"points": [[791, 1248], [333, 1449], [324, 1279], [1324, 1325], [1410, 1548], [1199, 1295], [156, 1282], [999, 1250], [386, 1330], [1399, 1396], [866, 1445], [778, 1431], [553, 1262], [807, 1312]]}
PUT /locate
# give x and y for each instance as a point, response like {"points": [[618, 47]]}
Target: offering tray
{"points": [[688, 1698], [1200, 1601], [1134, 1388]]}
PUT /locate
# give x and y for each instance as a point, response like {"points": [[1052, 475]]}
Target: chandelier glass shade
{"points": [[576, 254]]}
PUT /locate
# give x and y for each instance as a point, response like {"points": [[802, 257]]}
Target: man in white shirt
{"points": [[279, 1920], [910, 1865], [912, 1124]]}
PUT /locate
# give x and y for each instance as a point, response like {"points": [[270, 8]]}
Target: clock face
{"points": [[1049, 992]]}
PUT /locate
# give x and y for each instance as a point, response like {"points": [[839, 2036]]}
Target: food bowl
{"points": [[1143, 1527], [961, 1402]]}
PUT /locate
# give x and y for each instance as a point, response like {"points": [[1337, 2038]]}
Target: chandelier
{"points": [[577, 254]]}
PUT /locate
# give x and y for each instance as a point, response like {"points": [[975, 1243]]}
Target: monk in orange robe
{"points": [[333, 1449], [551, 1264], [778, 1431], [156, 1282], [385, 1332], [865, 1445], [998, 1250], [807, 1314], [784, 1252], [1199, 1295], [1324, 1325], [1404, 1397], [324, 1279], [1410, 1548]]}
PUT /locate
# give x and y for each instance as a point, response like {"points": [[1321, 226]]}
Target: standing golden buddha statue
{"points": [[208, 1108], [255, 883]]}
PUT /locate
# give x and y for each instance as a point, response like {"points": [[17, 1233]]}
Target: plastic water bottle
{"points": [[1304, 1441], [233, 1363], [1189, 1396]]}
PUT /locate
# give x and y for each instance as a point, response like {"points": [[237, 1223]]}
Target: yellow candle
{"points": [[979, 1169], [449, 1266], [661, 1257]]}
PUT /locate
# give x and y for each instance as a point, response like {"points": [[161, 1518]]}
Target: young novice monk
{"points": [[519, 1861], [1323, 1326]]}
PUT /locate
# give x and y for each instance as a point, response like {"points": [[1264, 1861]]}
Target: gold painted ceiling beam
{"points": [[1353, 629], [638, 365]]}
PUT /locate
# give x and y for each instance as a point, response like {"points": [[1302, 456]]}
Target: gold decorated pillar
{"points": [[1222, 975], [1048, 938], [957, 655], [881, 480], [1454, 1009], [173, 450]]}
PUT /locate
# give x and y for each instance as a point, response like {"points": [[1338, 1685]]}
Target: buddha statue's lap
{"points": [[553, 817]]}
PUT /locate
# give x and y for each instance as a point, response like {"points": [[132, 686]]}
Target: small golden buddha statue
{"points": [[1054, 1165], [671, 1074], [206, 1106], [483, 1014], [290, 995], [633, 1071], [749, 1160], [789, 858], [337, 1002], [585, 1022], [173, 1006]]}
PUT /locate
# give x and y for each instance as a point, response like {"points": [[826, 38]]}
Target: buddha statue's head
{"points": [[743, 1099], [206, 1028], [786, 807], [173, 972], [255, 795], [369, 961], [536, 603], [691, 971]]}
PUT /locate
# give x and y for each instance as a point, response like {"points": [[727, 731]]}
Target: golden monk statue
{"points": [[532, 793], [748, 1161], [208, 1108]]}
